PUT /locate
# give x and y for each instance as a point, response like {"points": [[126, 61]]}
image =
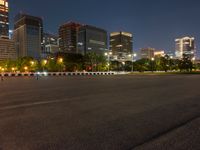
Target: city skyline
{"points": [[164, 22]]}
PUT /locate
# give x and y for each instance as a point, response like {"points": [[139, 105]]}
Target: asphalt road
{"points": [[100, 113]]}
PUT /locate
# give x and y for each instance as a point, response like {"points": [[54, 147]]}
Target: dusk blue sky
{"points": [[154, 23]]}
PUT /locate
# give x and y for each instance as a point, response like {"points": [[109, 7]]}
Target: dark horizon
{"points": [[154, 23]]}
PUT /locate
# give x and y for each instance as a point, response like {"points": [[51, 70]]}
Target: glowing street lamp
{"points": [[44, 62], [193, 61], [60, 60], [108, 54], [133, 56], [32, 63], [25, 68], [13, 69], [152, 63], [123, 66]]}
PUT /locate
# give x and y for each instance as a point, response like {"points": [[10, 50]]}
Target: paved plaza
{"points": [[125, 112]]}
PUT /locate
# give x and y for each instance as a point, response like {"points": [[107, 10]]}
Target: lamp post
{"points": [[109, 54], [32, 63], [133, 56], [13, 69], [25, 68], [60, 61], [171, 58], [193, 61], [152, 63], [123, 64], [44, 62]]}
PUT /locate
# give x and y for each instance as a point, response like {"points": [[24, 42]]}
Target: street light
{"points": [[60, 61], [133, 56], [109, 54], [171, 58], [13, 69], [44, 62], [193, 61], [152, 63], [123, 64], [25, 68], [32, 63]]}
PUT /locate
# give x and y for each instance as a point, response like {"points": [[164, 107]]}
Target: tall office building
{"points": [[28, 35], [92, 39], [7, 49], [121, 43], [50, 44], [185, 45], [4, 19], [68, 34], [147, 53]]}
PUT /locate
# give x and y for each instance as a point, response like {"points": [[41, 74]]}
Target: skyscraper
{"points": [[28, 31], [50, 44], [4, 19], [147, 53], [7, 49], [68, 34], [121, 43], [92, 39], [185, 45]]}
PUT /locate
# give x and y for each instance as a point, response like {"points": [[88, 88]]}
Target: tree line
{"points": [[93, 62]]}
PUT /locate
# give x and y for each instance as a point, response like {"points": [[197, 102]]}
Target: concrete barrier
{"points": [[31, 74]]}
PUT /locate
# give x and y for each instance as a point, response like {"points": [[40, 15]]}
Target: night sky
{"points": [[154, 23]]}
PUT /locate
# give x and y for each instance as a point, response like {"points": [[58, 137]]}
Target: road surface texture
{"points": [[100, 113]]}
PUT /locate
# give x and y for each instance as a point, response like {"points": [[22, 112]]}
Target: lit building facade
{"points": [[121, 43], [68, 34], [4, 19], [50, 44], [159, 53], [185, 46], [147, 53], [7, 49], [92, 39], [28, 35]]}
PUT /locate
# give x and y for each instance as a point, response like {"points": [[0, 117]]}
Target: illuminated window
{"points": [[1, 2]]}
